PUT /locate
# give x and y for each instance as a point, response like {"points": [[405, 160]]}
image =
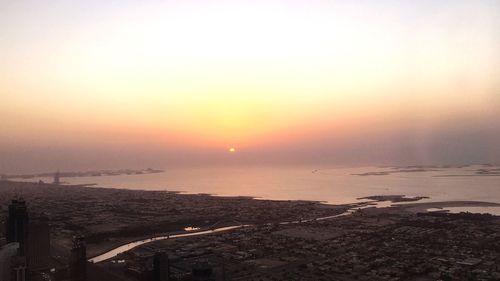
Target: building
{"points": [[78, 260], [38, 245], [16, 226], [161, 267], [19, 269], [7, 253], [33, 236], [12, 265], [202, 271], [57, 177]]}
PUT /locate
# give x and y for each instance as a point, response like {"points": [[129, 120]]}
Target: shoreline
{"points": [[108, 233], [109, 216], [424, 206]]}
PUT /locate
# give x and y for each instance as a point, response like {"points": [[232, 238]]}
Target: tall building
{"points": [[16, 226], [7, 253], [38, 245], [57, 177], [78, 260], [19, 269], [12, 266], [161, 267], [33, 238], [202, 271]]}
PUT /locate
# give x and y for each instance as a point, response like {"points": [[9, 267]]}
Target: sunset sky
{"points": [[113, 84]]}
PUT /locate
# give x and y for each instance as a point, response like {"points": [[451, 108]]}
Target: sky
{"points": [[114, 84]]}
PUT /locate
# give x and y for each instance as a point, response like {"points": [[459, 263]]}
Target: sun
{"points": [[232, 150]]}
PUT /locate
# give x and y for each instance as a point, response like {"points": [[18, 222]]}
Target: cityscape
{"points": [[263, 140], [238, 239]]}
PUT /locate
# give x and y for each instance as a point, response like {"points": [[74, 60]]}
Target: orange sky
{"points": [[261, 76]]}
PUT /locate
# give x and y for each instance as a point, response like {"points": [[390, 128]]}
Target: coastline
{"points": [[216, 209], [110, 216], [424, 206]]}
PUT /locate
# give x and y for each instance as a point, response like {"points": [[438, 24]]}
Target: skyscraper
{"points": [[16, 227], [78, 262], [7, 253], [161, 267], [19, 268], [38, 244], [202, 271], [57, 177]]}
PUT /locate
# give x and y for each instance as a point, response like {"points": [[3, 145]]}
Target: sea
{"points": [[331, 185]]}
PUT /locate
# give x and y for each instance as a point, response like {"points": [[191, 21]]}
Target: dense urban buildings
{"points": [[299, 140], [273, 240]]}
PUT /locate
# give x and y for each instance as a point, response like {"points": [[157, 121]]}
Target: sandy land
{"points": [[423, 207]]}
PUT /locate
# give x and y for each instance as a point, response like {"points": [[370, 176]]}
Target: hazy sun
{"points": [[232, 149]]}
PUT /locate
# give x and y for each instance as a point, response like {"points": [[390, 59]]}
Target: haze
{"points": [[106, 84]]}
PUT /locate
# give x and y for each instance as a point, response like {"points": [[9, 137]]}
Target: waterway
{"points": [[126, 247]]}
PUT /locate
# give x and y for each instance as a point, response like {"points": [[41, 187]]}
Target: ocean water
{"points": [[329, 185]]}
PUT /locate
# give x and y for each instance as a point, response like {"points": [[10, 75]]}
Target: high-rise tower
{"points": [[78, 262], [161, 267], [57, 177], [16, 227]]}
